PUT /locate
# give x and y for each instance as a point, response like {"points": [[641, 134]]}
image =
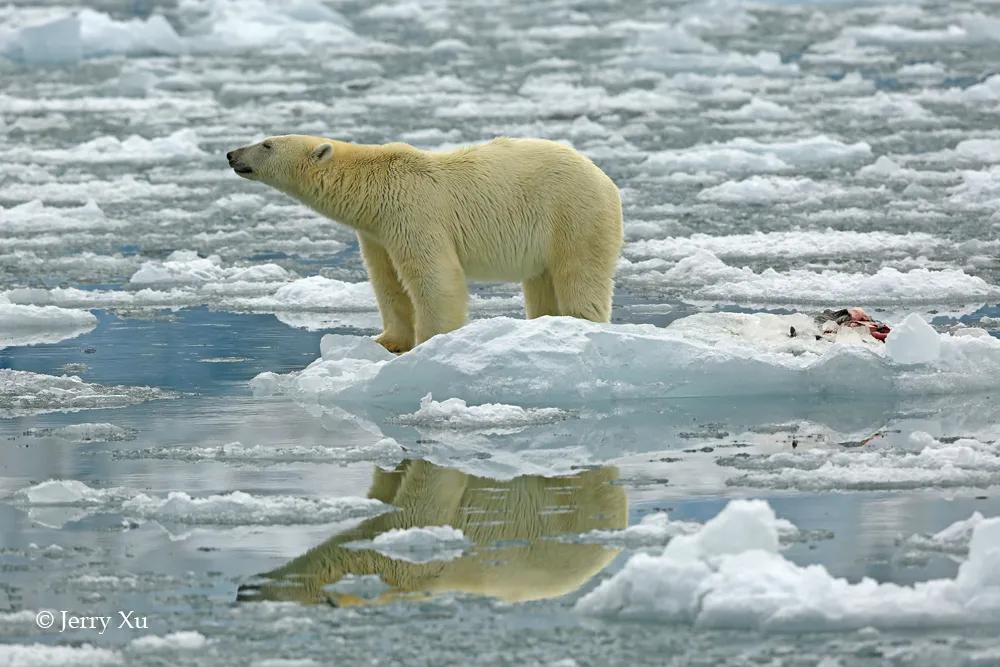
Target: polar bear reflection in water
{"points": [[511, 525]]}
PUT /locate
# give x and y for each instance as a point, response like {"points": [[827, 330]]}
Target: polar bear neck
{"points": [[362, 183]]}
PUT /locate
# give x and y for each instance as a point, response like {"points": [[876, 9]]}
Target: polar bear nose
{"points": [[229, 156]]}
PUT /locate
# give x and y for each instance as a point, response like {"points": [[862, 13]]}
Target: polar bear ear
{"points": [[322, 153]]}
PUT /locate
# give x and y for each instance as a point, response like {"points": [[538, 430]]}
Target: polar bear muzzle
{"points": [[237, 163]]}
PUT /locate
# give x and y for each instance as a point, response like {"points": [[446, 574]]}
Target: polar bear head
{"points": [[283, 162]]}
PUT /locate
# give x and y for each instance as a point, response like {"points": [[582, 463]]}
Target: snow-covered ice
{"points": [[25, 393], [454, 413], [563, 361]]}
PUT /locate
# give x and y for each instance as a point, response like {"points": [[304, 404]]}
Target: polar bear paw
{"points": [[394, 343]]}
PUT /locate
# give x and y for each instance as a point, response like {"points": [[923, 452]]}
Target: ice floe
{"points": [[730, 575], [44, 655], [26, 393], [790, 244], [454, 413], [925, 463], [32, 325], [748, 155], [952, 540], [418, 544], [562, 361], [89, 432], [183, 267], [184, 640], [709, 278], [236, 508], [181, 145]]}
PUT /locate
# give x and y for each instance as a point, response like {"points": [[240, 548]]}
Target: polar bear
{"points": [[526, 210]]}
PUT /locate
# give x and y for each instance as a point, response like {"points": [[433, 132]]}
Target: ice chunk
{"points": [[31, 325], [913, 341], [101, 432], [419, 544], [792, 244], [43, 655], [717, 281], [90, 33], [770, 189], [186, 267], [315, 293], [366, 586], [654, 529], [185, 640], [455, 414], [35, 217], [964, 462], [729, 575], [748, 155], [180, 146], [954, 539], [25, 393], [562, 361], [67, 492], [239, 508]]}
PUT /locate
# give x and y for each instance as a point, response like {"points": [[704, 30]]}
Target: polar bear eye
{"points": [[267, 145]]}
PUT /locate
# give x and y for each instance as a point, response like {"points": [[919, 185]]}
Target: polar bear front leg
{"points": [[435, 281], [393, 302]]}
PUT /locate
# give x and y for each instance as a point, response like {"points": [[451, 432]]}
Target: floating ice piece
{"points": [[964, 462], [97, 432], [654, 529], [185, 640], [730, 575], [31, 325], [35, 217], [717, 281], [240, 509], [560, 361], [749, 155], [953, 539], [769, 190], [419, 544], [186, 267], [791, 244], [68, 492], [314, 293], [181, 146], [384, 450], [913, 341], [454, 413], [89, 33], [43, 655], [231, 509], [26, 393]]}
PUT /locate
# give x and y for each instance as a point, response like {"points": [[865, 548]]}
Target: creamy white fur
{"points": [[525, 210]]}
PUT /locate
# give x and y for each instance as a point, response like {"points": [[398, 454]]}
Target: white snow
{"points": [[454, 413], [24, 393], [761, 190], [730, 575], [562, 361], [31, 325], [419, 544]]}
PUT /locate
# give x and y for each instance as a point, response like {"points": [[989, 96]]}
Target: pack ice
{"points": [[564, 361]]}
